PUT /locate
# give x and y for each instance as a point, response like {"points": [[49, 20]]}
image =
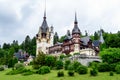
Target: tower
{"points": [[101, 37], [76, 35], [44, 38]]}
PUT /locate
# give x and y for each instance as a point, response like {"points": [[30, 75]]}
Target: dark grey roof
{"points": [[76, 29], [20, 54], [85, 40], [96, 43], [67, 37], [44, 26]]}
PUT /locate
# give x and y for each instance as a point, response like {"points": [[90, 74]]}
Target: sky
{"points": [[19, 18]]}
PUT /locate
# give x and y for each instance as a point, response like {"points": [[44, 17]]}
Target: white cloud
{"points": [[28, 16]]}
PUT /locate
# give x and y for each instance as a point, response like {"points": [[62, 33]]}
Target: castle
{"points": [[73, 42]]}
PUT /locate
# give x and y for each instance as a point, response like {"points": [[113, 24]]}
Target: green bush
{"points": [[50, 61], [59, 64], [71, 73], [62, 56], [60, 74], [19, 65], [111, 73], [94, 72], [12, 62], [82, 69], [103, 67], [75, 65], [93, 64], [110, 55], [44, 70], [39, 60], [70, 67], [17, 71], [28, 72], [35, 66], [112, 66], [1, 68], [117, 69], [67, 62]]}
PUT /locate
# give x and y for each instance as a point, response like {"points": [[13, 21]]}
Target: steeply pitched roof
{"points": [[96, 43], [44, 26], [85, 40]]}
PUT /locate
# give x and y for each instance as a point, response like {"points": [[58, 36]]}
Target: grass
{"points": [[53, 76]]}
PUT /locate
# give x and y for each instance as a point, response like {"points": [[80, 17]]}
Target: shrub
{"points": [[67, 62], [50, 61], [82, 69], [44, 70], [71, 73], [19, 65], [93, 72], [70, 67], [111, 73], [35, 66], [117, 69], [59, 64], [1, 68], [28, 72], [12, 62], [60, 74], [103, 67], [110, 55], [75, 65], [112, 66], [39, 60], [17, 71], [93, 64], [62, 56]]}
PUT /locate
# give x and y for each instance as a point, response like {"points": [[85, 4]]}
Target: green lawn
{"points": [[53, 76]]}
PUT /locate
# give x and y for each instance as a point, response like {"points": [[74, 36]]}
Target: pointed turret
{"points": [[101, 37], [44, 26], [68, 33], [76, 29], [67, 36]]}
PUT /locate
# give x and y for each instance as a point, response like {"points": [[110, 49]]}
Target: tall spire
{"points": [[45, 11], [75, 18], [44, 14], [44, 26], [76, 29]]}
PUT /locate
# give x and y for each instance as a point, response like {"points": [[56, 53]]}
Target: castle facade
{"points": [[73, 42]]}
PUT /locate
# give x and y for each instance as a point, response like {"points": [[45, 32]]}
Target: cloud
{"points": [[19, 18]]}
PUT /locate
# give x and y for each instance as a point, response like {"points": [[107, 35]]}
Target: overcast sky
{"points": [[19, 18]]}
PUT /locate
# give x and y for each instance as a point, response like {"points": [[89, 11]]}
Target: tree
{"points": [[50, 61], [15, 45], [110, 55], [62, 39], [96, 36], [29, 45], [12, 62], [33, 46], [56, 38], [39, 60], [6, 46]]}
